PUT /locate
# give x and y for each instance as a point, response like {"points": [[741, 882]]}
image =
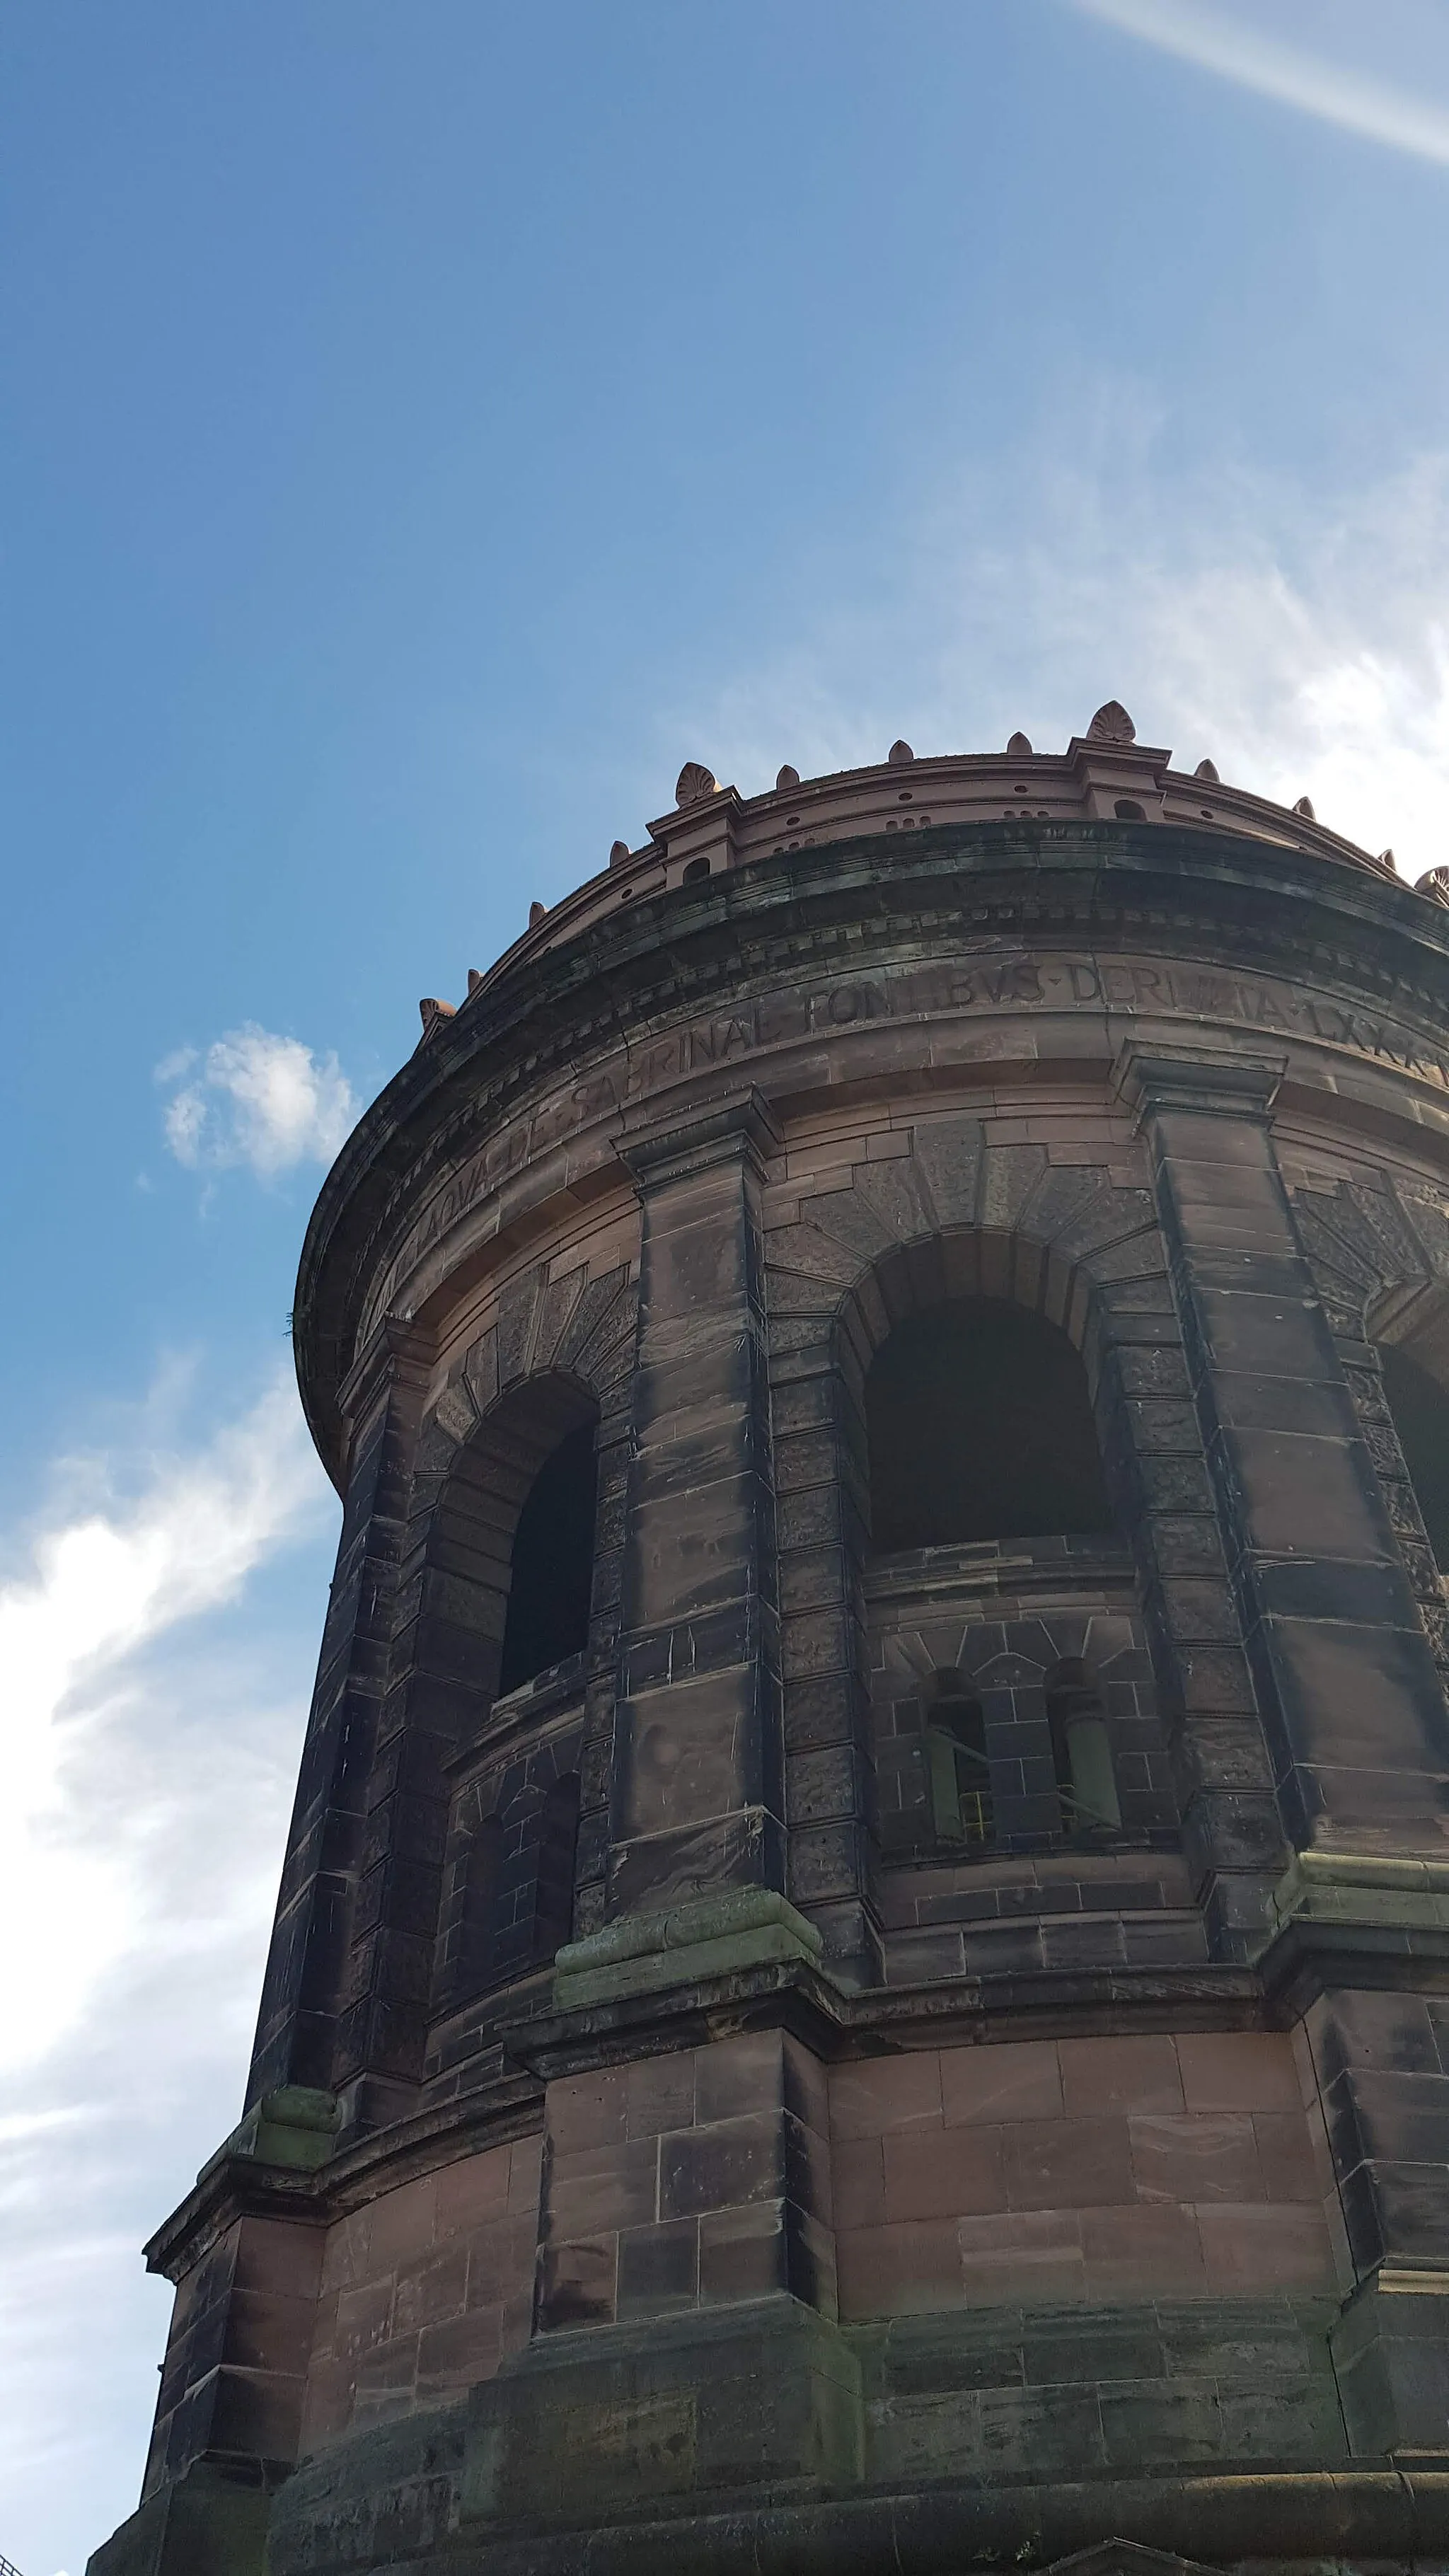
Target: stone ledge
{"points": [[1276, 2517], [1371, 1888], [747, 1927], [294, 2128], [1278, 2520]]}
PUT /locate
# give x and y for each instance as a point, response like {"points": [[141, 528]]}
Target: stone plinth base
{"points": [[762, 2437], [212, 2522]]}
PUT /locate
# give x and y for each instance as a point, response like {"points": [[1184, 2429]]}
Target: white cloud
{"points": [[258, 1099], [152, 1711], [1304, 646], [108, 1582], [1295, 75]]}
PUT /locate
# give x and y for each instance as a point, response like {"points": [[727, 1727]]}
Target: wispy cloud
{"points": [[1303, 644], [153, 1685], [256, 1099], [1296, 75], [107, 1582]]}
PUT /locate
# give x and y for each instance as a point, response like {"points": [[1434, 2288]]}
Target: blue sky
{"points": [[428, 425]]}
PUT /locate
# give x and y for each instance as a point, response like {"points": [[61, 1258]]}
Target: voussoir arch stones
{"points": [[573, 1327], [963, 1217]]}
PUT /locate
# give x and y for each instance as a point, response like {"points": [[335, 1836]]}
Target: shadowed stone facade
{"points": [[861, 1978]]}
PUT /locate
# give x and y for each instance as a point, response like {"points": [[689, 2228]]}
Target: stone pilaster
{"points": [[1355, 1718], [297, 2028], [1344, 1672], [686, 2291], [1362, 1950], [697, 1796]]}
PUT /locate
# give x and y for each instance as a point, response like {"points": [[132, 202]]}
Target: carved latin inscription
{"points": [[1012, 981]]}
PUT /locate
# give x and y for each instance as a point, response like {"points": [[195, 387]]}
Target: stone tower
{"points": [[862, 1974]]}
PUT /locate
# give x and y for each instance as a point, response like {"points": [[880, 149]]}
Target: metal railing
{"points": [[8, 2567]]}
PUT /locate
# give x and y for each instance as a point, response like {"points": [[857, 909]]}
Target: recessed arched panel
{"points": [[980, 1427], [558, 1836], [958, 1772], [481, 1871], [552, 1564], [1420, 1410], [1082, 1751], [509, 1554]]}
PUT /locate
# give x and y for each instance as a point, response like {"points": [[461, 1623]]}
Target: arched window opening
{"points": [[979, 1423], [553, 1912], [553, 1564], [477, 1938], [693, 870], [1419, 1407], [958, 1773], [1082, 1751]]}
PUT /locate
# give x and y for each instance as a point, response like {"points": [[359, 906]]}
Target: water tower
{"points": [[861, 1980]]}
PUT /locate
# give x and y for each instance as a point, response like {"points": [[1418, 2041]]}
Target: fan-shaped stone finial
{"points": [[899, 753], [694, 783], [475, 978], [1435, 885], [1304, 807], [1388, 862], [787, 777], [536, 913], [1112, 723], [619, 851], [432, 1013], [1207, 769], [1019, 747]]}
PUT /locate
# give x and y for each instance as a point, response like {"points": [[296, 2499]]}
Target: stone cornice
{"points": [[785, 1994], [835, 2022], [855, 907], [234, 2184]]}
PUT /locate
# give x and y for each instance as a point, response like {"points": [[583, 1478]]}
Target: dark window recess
{"points": [[1082, 1752], [693, 870], [958, 1775], [1420, 1410], [1127, 810], [478, 1937], [553, 1564], [980, 1427], [553, 1913]]}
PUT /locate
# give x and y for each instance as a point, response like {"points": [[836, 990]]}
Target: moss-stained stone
{"points": [[293, 2127], [1387, 1889], [710, 1937]]}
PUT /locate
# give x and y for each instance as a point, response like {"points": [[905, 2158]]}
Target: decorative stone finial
{"points": [[432, 1013], [788, 777], [1019, 747], [619, 851], [1112, 723], [536, 913], [474, 980], [1207, 769], [899, 753], [1388, 862], [1435, 886], [694, 783], [1304, 807]]}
